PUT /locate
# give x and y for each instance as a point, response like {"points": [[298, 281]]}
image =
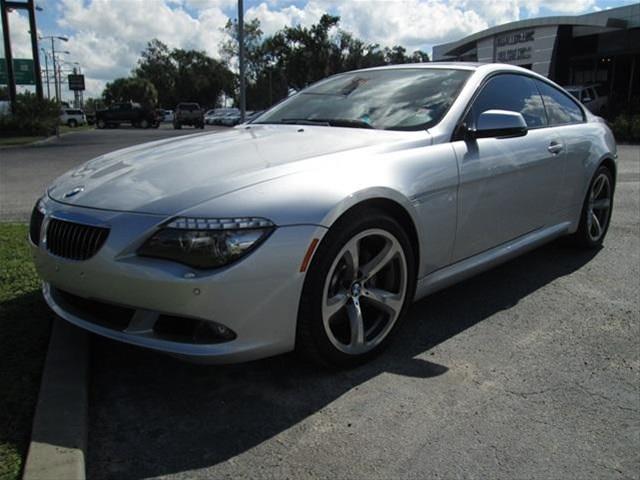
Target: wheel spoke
{"points": [[597, 186], [595, 223], [383, 300], [377, 263], [356, 323], [602, 204], [335, 304], [352, 257]]}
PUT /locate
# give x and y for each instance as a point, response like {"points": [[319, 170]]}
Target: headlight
{"points": [[206, 242], [35, 224]]}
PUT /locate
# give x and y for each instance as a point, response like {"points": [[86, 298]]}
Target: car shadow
{"points": [[152, 415]]}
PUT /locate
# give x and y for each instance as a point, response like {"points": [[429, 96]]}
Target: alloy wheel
{"points": [[599, 207], [364, 291]]}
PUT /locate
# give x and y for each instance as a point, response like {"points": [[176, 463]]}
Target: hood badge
{"points": [[74, 192]]}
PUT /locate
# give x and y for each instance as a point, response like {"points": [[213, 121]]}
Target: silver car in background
{"points": [[314, 227]]}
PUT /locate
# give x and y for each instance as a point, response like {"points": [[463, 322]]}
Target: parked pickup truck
{"points": [[591, 96], [128, 112], [188, 114]]}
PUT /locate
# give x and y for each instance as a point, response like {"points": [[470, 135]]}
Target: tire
{"points": [[596, 211], [201, 126], [144, 123], [101, 124], [177, 126], [72, 123], [325, 334]]}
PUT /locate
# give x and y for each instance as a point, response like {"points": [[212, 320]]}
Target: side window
{"points": [[561, 109], [515, 93]]}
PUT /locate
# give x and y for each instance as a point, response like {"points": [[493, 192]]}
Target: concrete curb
{"points": [[59, 436], [35, 143]]}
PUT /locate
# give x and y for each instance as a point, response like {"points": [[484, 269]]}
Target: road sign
{"points": [[22, 70], [76, 82]]}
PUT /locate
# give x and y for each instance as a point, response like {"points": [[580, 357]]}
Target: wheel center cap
{"points": [[356, 290]]}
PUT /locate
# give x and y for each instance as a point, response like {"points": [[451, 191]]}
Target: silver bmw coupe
{"points": [[315, 226]]}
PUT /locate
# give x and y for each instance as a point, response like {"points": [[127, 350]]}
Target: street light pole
{"points": [[243, 105], [53, 60], [55, 76], [46, 71]]}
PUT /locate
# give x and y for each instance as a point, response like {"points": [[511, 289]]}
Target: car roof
{"points": [[469, 66]]}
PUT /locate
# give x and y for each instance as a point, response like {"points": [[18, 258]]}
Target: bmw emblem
{"points": [[74, 192]]}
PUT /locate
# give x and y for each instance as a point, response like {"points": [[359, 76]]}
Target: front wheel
{"points": [[596, 211], [357, 290], [101, 124], [144, 123]]}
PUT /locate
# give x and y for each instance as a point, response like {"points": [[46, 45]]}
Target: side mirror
{"points": [[499, 123]]}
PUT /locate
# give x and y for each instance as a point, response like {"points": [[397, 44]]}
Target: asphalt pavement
{"points": [[530, 370]]}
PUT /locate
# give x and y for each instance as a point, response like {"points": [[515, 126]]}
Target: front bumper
{"points": [[256, 297]]}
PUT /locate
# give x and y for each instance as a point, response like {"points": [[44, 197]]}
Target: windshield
{"points": [[398, 99]]}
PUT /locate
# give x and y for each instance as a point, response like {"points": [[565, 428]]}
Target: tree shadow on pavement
{"points": [[151, 415]]}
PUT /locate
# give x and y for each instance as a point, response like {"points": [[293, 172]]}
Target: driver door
{"points": [[508, 186]]}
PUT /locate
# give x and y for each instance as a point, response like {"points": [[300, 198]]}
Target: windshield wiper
{"points": [[304, 121], [328, 122]]}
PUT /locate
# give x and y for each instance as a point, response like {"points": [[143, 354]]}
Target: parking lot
{"points": [[530, 370]]}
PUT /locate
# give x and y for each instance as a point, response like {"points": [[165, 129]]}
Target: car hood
{"points": [[169, 176]]}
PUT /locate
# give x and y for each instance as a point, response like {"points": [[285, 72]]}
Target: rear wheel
{"points": [[144, 123], [596, 211], [72, 123], [177, 126], [357, 290], [101, 124]]}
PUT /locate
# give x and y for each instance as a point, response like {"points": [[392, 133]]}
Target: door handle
{"points": [[555, 147]]}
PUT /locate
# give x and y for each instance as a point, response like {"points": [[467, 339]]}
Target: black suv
{"points": [[127, 112], [188, 114]]}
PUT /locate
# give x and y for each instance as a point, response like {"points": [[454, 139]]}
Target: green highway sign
{"points": [[22, 70]]}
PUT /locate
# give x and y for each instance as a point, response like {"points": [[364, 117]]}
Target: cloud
{"points": [[109, 35], [20, 38], [272, 20]]}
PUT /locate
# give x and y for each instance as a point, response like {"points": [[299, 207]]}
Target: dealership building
{"points": [[600, 47]]}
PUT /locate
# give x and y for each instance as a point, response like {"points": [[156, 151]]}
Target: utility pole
{"points": [[55, 74], [243, 104], [46, 71]]}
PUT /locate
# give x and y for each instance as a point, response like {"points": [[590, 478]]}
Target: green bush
{"points": [[32, 116], [634, 128], [620, 127]]}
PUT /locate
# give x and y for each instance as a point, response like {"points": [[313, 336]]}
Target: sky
{"points": [[107, 36]]}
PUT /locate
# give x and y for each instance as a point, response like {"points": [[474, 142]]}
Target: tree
{"points": [[131, 89], [295, 57], [200, 78], [255, 58], [184, 75], [157, 65]]}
